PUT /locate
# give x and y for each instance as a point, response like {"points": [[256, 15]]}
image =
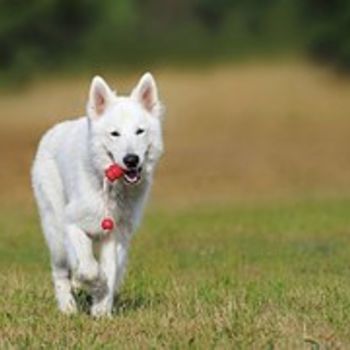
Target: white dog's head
{"points": [[126, 130]]}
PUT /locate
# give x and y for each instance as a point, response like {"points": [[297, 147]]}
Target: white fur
{"points": [[67, 177]]}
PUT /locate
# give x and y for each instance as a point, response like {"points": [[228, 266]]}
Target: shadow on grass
{"points": [[125, 304], [84, 301], [122, 304]]}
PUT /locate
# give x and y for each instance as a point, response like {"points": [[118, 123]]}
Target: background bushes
{"points": [[46, 34]]}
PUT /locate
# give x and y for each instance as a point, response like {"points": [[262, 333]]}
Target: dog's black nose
{"points": [[131, 160]]}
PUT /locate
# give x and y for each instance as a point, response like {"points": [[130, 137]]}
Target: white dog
{"points": [[74, 196]]}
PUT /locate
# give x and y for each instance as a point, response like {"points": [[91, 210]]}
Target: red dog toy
{"points": [[112, 173], [107, 224]]}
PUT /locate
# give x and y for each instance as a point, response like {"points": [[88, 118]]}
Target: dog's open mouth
{"points": [[132, 176]]}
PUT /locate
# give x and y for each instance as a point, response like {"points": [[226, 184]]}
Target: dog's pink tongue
{"points": [[114, 172]]}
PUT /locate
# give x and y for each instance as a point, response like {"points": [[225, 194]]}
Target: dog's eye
{"points": [[140, 131], [115, 133]]}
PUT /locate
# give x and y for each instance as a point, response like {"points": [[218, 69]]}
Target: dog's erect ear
{"points": [[99, 97], [146, 93]]}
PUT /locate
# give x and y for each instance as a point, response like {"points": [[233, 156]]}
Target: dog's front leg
{"points": [[122, 259], [103, 302], [80, 251]]}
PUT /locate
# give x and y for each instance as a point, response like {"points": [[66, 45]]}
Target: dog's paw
{"points": [[102, 309], [76, 284], [68, 306], [87, 274], [92, 279], [99, 288]]}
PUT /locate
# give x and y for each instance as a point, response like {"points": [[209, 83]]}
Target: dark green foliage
{"points": [[42, 32], [212, 13], [329, 24], [46, 34]]}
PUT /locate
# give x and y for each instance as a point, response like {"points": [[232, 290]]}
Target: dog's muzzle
{"points": [[133, 176]]}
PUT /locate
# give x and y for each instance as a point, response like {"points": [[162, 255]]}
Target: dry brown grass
{"points": [[247, 131]]}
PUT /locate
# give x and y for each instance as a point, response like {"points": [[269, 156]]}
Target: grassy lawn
{"points": [[263, 276]]}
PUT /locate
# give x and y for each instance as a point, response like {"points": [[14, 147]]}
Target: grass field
{"points": [[246, 242], [252, 277]]}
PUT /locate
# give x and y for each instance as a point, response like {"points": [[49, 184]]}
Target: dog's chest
{"points": [[118, 204]]}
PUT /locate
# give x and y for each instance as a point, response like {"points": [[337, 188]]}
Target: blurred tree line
{"points": [[46, 34], [328, 24]]}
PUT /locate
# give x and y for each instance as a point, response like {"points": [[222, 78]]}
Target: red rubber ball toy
{"points": [[114, 172], [107, 224]]}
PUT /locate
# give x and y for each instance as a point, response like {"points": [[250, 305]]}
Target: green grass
{"points": [[264, 276]]}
